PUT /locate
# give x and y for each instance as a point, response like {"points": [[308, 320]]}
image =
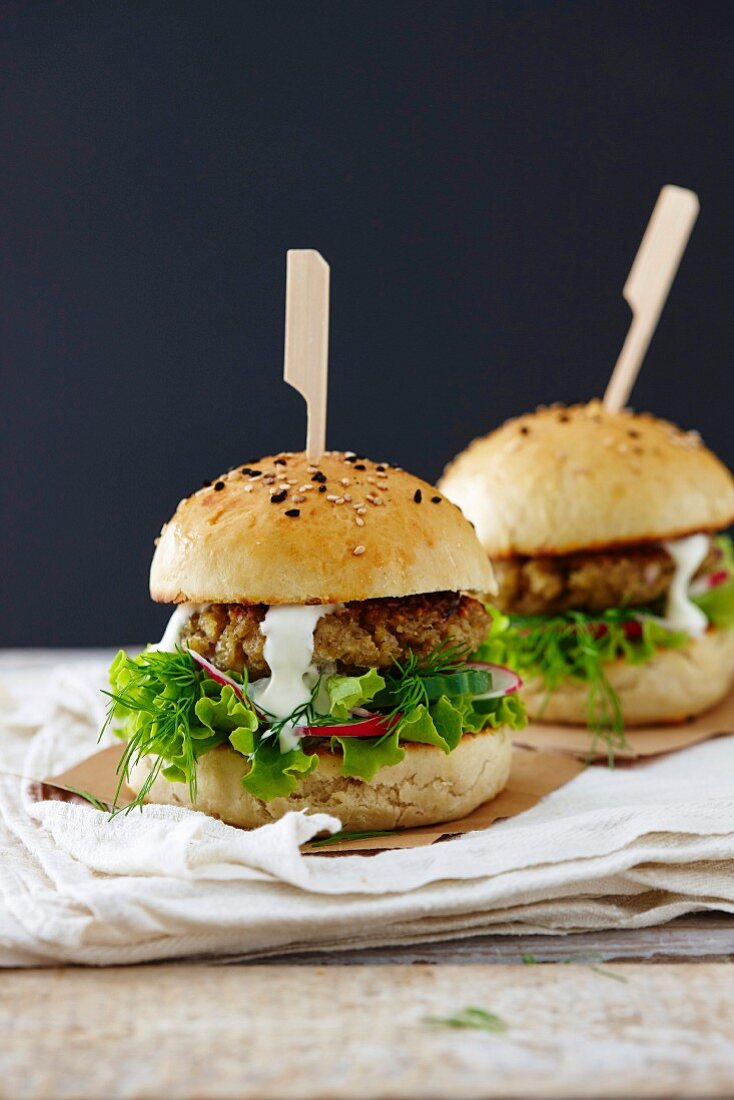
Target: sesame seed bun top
{"points": [[573, 478], [286, 530]]}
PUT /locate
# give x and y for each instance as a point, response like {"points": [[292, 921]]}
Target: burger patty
{"points": [[593, 581], [359, 635]]}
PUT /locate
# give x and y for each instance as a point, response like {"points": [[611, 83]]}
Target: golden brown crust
{"points": [[428, 786], [581, 478], [673, 685], [283, 530]]}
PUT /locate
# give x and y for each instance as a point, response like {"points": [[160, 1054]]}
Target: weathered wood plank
{"points": [[360, 1032], [708, 937]]}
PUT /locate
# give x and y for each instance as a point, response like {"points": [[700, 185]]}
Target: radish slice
{"points": [[217, 674], [504, 680], [712, 580], [374, 726]]}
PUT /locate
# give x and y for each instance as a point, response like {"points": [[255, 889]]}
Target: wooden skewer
{"points": [[307, 338], [648, 283]]}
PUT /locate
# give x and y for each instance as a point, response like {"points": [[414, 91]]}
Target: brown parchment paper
{"points": [[533, 775], [642, 742]]}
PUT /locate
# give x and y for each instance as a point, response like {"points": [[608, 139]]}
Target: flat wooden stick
{"points": [[648, 283], [307, 338]]}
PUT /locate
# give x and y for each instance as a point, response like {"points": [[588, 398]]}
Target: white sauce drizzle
{"points": [[680, 612], [172, 634], [288, 650]]}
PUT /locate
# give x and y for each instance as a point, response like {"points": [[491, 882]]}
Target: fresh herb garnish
{"points": [[351, 836], [167, 709], [171, 711], [578, 646], [471, 1017], [90, 798]]}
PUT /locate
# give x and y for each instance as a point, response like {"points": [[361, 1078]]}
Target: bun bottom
{"points": [[426, 787], [673, 685]]}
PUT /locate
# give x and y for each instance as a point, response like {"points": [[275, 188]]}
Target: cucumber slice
{"points": [[471, 681]]}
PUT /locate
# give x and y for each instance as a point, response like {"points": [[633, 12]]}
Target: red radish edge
{"points": [[217, 674], [374, 726], [512, 682]]}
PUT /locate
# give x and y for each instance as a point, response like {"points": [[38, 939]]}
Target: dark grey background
{"points": [[478, 176]]}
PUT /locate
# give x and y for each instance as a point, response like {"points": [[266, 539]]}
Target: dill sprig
{"points": [[155, 694], [406, 686], [478, 1019], [577, 646]]}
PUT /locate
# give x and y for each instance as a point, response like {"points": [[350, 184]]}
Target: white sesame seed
{"points": [[291, 481], [339, 500], [331, 496], [247, 488], [359, 521], [360, 509], [348, 498], [372, 481], [358, 550], [298, 498], [304, 488], [344, 480]]}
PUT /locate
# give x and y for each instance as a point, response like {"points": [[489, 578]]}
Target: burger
{"points": [[320, 654], [615, 592]]}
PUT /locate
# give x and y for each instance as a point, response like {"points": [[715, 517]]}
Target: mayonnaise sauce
{"points": [[288, 650], [680, 612], [172, 634]]}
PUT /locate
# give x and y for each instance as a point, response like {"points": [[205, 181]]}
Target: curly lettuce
{"points": [[167, 708], [718, 603]]}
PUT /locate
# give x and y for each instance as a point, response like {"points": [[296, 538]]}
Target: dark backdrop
{"points": [[478, 176]]}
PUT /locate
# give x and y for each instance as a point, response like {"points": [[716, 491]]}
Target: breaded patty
{"points": [[592, 581], [359, 635]]}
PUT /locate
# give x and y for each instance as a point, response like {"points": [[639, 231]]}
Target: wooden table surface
{"points": [[357, 1026], [646, 1013]]}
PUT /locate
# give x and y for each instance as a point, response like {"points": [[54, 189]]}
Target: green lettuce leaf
{"points": [[347, 692], [718, 603], [572, 644], [272, 773], [442, 724], [167, 708], [364, 756]]}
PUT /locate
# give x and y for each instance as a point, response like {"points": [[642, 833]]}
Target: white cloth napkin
{"points": [[624, 848]]}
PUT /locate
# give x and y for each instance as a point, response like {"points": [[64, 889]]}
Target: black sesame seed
{"points": [[360, 466], [256, 473], [318, 476], [417, 496], [246, 470], [280, 462], [350, 458], [525, 430], [381, 469], [322, 488], [205, 484], [435, 500], [219, 485], [293, 512], [278, 498]]}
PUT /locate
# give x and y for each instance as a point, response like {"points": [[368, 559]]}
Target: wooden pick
{"points": [[648, 283], [307, 338]]}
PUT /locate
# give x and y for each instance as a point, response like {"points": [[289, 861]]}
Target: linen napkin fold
{"points": [[623, 848]]}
